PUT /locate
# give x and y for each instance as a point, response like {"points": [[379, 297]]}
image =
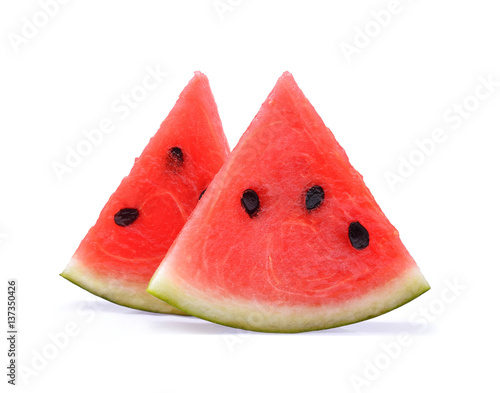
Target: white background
{"points": [[426, 62]]}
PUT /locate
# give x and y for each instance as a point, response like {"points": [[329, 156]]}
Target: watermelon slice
{"points": [[136, 227], [287, 238]]}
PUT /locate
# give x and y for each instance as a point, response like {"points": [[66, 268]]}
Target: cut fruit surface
{"points": [[136, 227], [287, 237]]}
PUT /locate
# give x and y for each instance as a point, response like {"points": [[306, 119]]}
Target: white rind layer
{"points": [[269, 317], [116, 291]]}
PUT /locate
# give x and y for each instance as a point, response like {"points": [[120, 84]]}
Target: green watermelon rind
{"points": [[139, 298], [271, 319]]}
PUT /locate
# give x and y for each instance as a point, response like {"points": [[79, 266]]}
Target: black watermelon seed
{"points": [[314, 197], [358, 235], [125, 217], [250, 201], [201, 194], [175, 156]]}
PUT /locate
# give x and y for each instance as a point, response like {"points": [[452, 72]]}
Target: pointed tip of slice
{"points": [[286, 86], [199, 77], [286, 79], [197, 83], [199, 74], [287, 75]]}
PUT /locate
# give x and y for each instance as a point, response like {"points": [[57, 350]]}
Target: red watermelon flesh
{"points": [[136, 227], [288, 237]]}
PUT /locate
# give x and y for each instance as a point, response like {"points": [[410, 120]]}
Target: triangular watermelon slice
{"points": [[136, 227], [287, 237]]}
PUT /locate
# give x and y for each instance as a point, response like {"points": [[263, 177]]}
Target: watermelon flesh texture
{"points": [[116, 262], [287, 268]]}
